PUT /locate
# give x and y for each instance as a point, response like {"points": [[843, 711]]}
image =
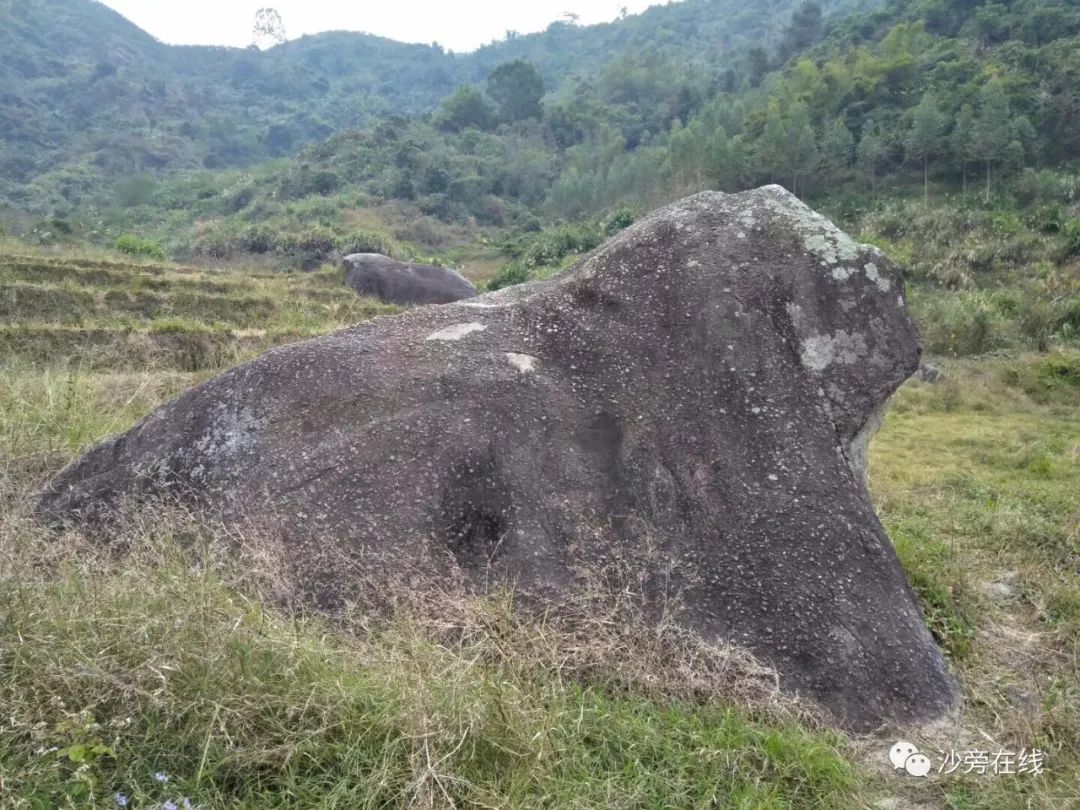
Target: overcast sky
{"points": [[461, 25]]}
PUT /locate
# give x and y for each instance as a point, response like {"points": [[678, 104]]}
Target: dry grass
{"points": [[155, 649]]}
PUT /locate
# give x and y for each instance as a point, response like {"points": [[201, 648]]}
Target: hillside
{"points": [[89, 99]]}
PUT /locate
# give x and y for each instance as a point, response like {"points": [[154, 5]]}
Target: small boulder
{"points": [[928, 374], [397, 282]]}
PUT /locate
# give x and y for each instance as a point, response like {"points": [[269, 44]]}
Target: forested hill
{"points": [[85, 91]]}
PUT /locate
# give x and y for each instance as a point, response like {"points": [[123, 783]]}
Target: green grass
{"points": [[161, 668], [174, 647], [977, 480]]}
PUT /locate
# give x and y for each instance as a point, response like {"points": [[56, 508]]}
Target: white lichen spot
{"points": [[821, 238], [228, 433], [525, 363], [821, 351], [479, 304], [457, 331], [829, 243], [876, 277], [900, 301], [843, 273]]}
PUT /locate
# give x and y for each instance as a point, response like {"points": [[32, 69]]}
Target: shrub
{"points": [[317, 241], [364, 241], [509, 276], [623, 218], [258, 239], [966, 322], [134, 245], [1054, 378], [548, 248], [239, 198], [215, 244], [1071, 232], [1049, 218], [1061, 370]]}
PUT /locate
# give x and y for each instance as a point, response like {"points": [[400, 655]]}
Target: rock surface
{"points": [[695, 397], [403, 283]]}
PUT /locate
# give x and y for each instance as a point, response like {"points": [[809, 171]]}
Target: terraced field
{"points": [[99, 314]]}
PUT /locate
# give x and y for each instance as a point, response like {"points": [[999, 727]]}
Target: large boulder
{"points": [[404, 283], [696, 396]]}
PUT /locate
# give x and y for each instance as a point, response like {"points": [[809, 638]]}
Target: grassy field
{"points": [[154, 655]]}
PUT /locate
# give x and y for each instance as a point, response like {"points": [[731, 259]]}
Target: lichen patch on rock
{"points": [[456, 332]]}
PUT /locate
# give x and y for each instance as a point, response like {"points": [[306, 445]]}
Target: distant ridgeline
{"points": [[87, 95]]}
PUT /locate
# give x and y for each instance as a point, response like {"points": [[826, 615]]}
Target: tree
{"points": [[268, 28], [925, 138], [960, 140], [992, 22], [805, 29], [280, 139], [136, 190], [516, 88], [801, 154], [466, 108], [786, 146], [837, 148], [769, 146], [757, 64], [992, 129], [871, 153]]}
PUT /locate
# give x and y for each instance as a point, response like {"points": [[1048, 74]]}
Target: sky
{"points": [[462, 25]]}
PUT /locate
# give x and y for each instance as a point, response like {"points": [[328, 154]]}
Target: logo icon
{"points": [[904, 756]]}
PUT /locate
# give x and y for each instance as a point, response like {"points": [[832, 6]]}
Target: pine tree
{"points": [[871, 152], [800, 154], [960, 140], [925, 138], [993, 128], [837, 148]]}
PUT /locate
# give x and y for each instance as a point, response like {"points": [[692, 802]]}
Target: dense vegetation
{"points": [[88, 99]]}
